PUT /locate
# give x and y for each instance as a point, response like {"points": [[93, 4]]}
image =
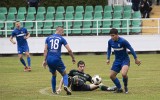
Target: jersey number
{"points": [[54, 43]]}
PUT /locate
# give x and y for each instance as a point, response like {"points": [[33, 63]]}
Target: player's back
{"points": [[55, 43]]}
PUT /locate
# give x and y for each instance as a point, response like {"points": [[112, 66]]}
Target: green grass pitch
{"points": [[144, 83]]}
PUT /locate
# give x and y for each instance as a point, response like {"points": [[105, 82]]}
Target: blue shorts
{"points": [[22, 49], [117, 65], [55, 63]]}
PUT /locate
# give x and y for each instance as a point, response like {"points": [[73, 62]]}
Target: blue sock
{"points": [[125, 81], [53, 82], [65, 80], [23, 62], [29, 61], [117, 83]]}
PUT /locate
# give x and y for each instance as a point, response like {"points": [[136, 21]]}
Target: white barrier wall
{"points": [[85, 43]]}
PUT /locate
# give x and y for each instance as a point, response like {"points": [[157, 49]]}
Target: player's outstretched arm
{"points": [[11, 39], [27, 36], [70, 53]]}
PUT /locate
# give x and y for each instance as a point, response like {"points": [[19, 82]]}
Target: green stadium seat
{"points": [[108, 9], [118, 8], [58, 16], [78, 16], [127, 8], [60, 9], [20, 17], [48, 26], [31, 10], [2, 17], [49, 31], [29, 25], [86, 30], [12, 10], [89, 9], [107, 15], [124, 29], [69, 9], [127, 15], [22, 10], [30, 17], [51, 10], [94, 31], [88, 16], [40, 17], [49, 16], [69, 16], [136, 14], [11, 17], [1, 25], [41, 10], [97, 16], [116, 16], [106, 23], [98, 8], [3, 10], [76, 30], [106, 31], [136, 29], [79, 9], [117, 27]]}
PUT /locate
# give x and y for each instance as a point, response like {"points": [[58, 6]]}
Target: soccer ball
{"points": [[96, 79]]}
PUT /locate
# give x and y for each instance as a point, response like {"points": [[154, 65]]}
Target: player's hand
{"points": [[25, 37], [137, 62], [44, 64], [74, 61], [108, 62], [14, 42], [59, 90]]}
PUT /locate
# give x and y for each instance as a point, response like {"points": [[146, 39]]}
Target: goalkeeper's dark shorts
{"points": [[79, 86]]}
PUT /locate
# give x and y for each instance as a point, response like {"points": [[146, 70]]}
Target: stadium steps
{"points": [[155, 13]]}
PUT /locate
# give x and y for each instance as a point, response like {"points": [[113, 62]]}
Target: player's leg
{"points": [[28, 60], [62, 69], [124, 72], [116, 81], [93, 87], [53, 82]]}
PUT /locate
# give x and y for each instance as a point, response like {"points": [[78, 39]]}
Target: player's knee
{"points": [[124, 75]]}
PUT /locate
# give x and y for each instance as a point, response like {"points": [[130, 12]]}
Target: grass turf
{"points": [[18, 85]]}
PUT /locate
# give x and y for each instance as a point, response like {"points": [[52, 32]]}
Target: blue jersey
{"points": [[120, 49], [19, 34], [54, 43]]}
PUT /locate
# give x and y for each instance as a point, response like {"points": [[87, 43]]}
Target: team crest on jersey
{"points": [[119, 45]]}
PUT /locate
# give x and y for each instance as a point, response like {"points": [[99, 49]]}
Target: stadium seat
{"points": [[2, 17], [97, 16], [12, 10], [40, 17], [78, 16], [60, 9], [30, 17], [70, 9], [31, 10], [20, 17], [98, 8], [50, 16], [88, 16], [76, 30], [51, 10], [47, 25], [49, 31], [3, 10], [106, 23], [22, 10], [68, 16], [124, 29], [136, 29], [117, 26], [108, 9], [79, 9], [106, 31], [107, 15], [10, 17], [58, 16], [116, 16], [127, 15], [86, 30], [127, 8], [118, 8], [136, 14], [89, 9], [41, 10], [1, 25]]}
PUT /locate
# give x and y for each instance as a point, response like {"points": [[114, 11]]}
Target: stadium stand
{"points": [[22, 10], [41, 10], [12, 10], [108, 9], [31, 10], [60, 9], [3, 10], [98, 8], [51, 10], [79, 9], [70, 9]]}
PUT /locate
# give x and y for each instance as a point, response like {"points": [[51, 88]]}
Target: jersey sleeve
{"points": [[13, 34], [128, 46], [89, 78], [64, 42], [46, 41], [108, 50], [71, 73], [25, 31]]}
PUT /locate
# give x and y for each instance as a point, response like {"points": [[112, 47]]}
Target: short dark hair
{"points": [[80, 63], [113, 31]]}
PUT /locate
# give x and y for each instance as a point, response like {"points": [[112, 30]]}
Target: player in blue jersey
{"points": [[22, 35], [122, 60], [52, 58]]}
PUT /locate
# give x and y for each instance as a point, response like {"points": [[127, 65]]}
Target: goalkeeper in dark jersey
{"points": [[78, 79]]}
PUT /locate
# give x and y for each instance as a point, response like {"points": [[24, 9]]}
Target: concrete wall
{"points": [[85, 43]]}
